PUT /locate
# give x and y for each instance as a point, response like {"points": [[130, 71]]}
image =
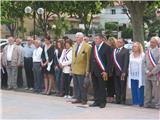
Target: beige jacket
{"points": [[148, 65], [16, 56], [80, 64]]}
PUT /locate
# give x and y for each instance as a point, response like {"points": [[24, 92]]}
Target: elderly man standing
{"points": [[151, 69], [20, 76], [37, 67], [80, 67], [11, 60], [28, 62]]}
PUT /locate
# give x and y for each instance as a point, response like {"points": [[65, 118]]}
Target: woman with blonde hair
{"points": [[111, 41], [136, 74]]}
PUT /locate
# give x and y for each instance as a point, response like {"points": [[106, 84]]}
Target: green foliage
{"points": [[11, 12], [110, 27], [127, 33], [150, 18], [85, 10], [74, 31], [61, 26]]}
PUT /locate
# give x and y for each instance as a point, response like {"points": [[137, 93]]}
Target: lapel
{"points": [[81, 49], [121, 51], [101, 49], [155, 53]]}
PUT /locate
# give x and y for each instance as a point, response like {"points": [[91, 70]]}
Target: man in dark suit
{"points": [[121, 61], [99, 68]]}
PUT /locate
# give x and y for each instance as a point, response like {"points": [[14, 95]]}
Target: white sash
{"points": [[98, 59], [115, 60], [151, 58]]}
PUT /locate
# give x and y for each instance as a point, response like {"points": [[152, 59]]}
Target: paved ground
{"points": [[21, 105]]}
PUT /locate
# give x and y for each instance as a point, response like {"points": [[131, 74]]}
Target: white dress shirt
{"points": [[9, 52], [80, 45], [37, 54]]}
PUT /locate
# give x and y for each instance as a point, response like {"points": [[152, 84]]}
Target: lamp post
{"points": [[28, 9]]}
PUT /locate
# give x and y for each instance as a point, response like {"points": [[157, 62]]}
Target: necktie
{"points": [[118, 50], [97, 47], [77, 50]]}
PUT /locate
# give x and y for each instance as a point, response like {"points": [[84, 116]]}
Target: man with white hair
{"points": [[11, 60], [28, 62], [20, 75], [151, 69], [37, 67], [80, 67]]}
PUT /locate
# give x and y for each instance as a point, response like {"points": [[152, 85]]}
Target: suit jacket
{"points": [[148, 65], [123, 60], [105, 55], [80, 63], [16, 56]]}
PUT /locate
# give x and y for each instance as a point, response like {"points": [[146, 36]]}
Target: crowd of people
{"points": [[69, 69]]}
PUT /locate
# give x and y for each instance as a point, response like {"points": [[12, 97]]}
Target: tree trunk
{"points": [[136, 10], [11, 30]]}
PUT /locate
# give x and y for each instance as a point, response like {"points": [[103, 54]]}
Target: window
{"points": [[113, 11], [124, 11]]}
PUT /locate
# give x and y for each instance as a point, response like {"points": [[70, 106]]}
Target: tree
{"points": [[127, 33], [61, 25], [8, 16], [51, 9], [136, 10], [110, 27], [150, 18], [12, 12], [84, 10]]}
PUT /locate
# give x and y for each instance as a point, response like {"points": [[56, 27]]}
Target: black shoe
{"points": [[94, 105], [102, 105]]}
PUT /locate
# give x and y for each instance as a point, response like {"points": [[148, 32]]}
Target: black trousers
{"points": [[19, 77], [67, 81], [110, 87], [4, 78], [28, 65], [99, 88], [120, 89]]}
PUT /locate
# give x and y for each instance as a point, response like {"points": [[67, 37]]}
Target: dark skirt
{"points": [[45, 71]]}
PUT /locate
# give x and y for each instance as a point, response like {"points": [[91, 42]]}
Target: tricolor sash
{"points": [[98, 59], [151, 58], [65, 58], [115, 60]]}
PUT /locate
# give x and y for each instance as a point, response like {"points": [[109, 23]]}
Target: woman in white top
{"points": [[136, 74], [65, 64]]}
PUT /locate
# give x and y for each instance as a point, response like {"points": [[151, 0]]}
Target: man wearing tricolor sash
{"points": [[100, 62], [121, 62], [152, 67]]}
